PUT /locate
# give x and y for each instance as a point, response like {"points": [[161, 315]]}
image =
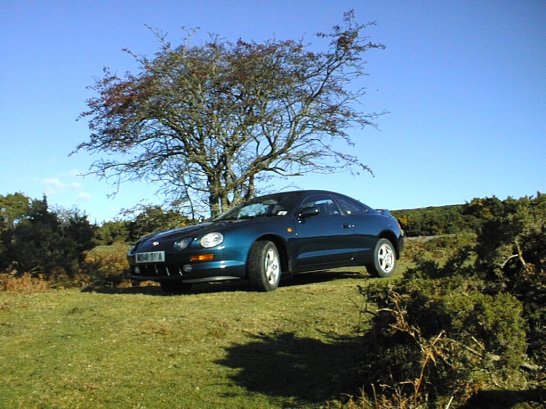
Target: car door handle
{"points": [[348, 226]]}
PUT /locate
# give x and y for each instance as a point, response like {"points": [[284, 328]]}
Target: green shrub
{"points": [[437, 249], [509, 255], [442, 338]]}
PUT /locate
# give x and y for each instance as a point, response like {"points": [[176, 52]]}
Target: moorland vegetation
{"points": [[462, 324]]}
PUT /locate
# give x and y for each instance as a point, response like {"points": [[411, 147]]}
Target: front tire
{"points": [[384, 259], [264, 266]]}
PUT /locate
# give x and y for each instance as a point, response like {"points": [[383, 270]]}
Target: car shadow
{"points": [[322, 276], [153, 289], [309, 372], [303, 370]]}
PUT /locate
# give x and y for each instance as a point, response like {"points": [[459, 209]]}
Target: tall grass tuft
{"points": [[25, 283]]}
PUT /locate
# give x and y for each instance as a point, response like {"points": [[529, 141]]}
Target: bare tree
{"points": [[211, 121]]}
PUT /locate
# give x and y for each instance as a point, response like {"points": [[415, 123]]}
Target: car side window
{"points": [[253, 210], [325, 204], [349, 207]]}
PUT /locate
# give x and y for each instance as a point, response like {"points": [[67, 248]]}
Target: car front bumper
{"points": [[188, 272]]}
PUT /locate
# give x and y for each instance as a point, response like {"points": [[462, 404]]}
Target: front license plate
{"points": [[150, 257]]}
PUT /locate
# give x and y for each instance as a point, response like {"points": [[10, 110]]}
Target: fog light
{"points": [[186, 268], [202, 257], [137, 270], [182, 244]]}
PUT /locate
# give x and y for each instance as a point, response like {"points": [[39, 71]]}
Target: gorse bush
{"points": [[509, 256], [463, 319], [36, 239], [442, 339], [443, 256]]}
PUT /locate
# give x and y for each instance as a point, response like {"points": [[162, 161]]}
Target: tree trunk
{"points": [[214, 203], [251, 189]]}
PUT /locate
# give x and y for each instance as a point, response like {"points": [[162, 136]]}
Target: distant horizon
{"points": [[55, 207]]}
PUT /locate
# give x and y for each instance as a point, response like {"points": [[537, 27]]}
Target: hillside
{"points": [[435, 220]]}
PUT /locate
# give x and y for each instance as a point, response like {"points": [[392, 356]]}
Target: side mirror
{"points": [[308, 212]]}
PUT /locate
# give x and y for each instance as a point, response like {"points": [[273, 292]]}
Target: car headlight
{"points": [[211, 240], [182, 244]]}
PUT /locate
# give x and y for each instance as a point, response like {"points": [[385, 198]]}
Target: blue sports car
{"points": [[269, 237]]}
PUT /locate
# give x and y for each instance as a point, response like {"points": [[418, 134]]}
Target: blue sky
{"points": [[464, 83]]}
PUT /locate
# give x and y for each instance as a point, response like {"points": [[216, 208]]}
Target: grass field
{"points": [[221, 346]]}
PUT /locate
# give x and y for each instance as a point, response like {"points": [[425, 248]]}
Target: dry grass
{"points": [[25, 283], [107, 265]]}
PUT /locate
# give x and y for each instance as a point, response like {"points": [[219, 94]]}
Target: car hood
{"points": [[164, 239], [195, 230], [168, 235], [174, 233]]}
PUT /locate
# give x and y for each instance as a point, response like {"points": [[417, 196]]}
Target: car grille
{"points": [[158, 270]]}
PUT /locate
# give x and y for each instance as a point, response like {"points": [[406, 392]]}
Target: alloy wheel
{"points": [[386, 258], [272, 265]]}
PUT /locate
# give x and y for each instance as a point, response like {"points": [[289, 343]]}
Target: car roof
{"points": [[304, 192]]}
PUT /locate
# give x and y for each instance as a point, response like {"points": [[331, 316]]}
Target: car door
{"points": [[361, 228], [320, 239]]}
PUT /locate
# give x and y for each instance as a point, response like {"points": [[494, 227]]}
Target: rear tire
{"points": [[384, 259], [264, 266], [175, 287]]}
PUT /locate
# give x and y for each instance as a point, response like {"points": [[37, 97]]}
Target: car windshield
{"points": [[260, 207]]}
